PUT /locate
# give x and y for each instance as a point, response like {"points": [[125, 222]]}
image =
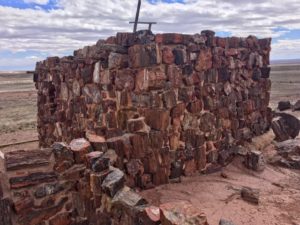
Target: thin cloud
{"points": [[74, 24], [39, 2]]}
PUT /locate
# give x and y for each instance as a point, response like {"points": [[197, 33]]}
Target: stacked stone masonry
{"points": [[50, 187], [167, 104]]}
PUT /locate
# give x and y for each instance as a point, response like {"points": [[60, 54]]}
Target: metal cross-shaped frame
{"points": [[136, 22]]}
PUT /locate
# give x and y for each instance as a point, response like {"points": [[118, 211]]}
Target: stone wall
{"points": [[168, 104], [56, 186]]}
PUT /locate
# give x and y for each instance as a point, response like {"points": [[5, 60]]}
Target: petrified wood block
{"points": [[181, 213], [32, 179], [5, 212], [27, 158], [113, 182], [36, 216], [80, 148]]}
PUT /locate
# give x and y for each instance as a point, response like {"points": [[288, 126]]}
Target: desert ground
{"points": [[216, 196]]}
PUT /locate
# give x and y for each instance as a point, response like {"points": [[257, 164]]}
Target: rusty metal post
{"points": [[137, 16]]}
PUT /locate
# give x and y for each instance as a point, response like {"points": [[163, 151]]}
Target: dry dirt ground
{"points": [[17, 110], [218, 197]]}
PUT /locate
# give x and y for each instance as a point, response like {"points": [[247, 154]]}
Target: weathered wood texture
{"points": [[29, 158], [5, 212], [32, 179]]}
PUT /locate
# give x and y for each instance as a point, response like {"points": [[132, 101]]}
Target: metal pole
{"points": [[137, 16]]}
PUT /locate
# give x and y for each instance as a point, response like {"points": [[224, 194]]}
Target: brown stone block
{"points": [[207, 122], [122, 145], [150, 215], [180, 55], [189, 167], [135, 168], [101, 164], [146, 181], [169, 99], [180, 212], [265, 43], [157, 78], [150, 162], [137, 125], [142, 80], [174, 76], [139, 144], [5, 212], [195, 107], [193, 138], [231, 52], [250, 195], [52, 189], [204, 61], [161, 176], [144, 55], [255, 160], [124, 99], [32, 179], [23, 204], [157, 119], [117, 61], [96, 180], [108, 104], [123, 116], [91, 158], [105, 77], [201, 157], [86, 74], [169, 38], [98, 142], [167, 55], [74, 173], [1, 188], [127, 199], [178, 110], [61, 219], [174, 141], [80, 148], [222, 42], [113, 182], [125, 80], [36, 216], [186, 94], [29, 158]]}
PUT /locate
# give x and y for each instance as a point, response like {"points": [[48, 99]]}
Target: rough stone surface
{"points": [[32, 179], [250, 195], [288, 154], [177, 213], [5, 212], [296, 106], [255, 160], [80, 147], [285, 127], [284, 105], [113, 182], [22, 159]]}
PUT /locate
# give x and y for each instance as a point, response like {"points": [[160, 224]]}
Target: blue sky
{"points": [[31, 30]]}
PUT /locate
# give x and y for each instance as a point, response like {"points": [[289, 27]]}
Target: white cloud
{"points": [[18, 63], [76, 23], [286, 49], [40, 2]]}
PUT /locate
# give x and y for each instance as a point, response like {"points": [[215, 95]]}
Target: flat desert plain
{"points": [[216, 196]]}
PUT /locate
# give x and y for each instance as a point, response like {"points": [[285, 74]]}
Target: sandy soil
{"points": [[17, 110], [216, 196], [220, 198]]}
